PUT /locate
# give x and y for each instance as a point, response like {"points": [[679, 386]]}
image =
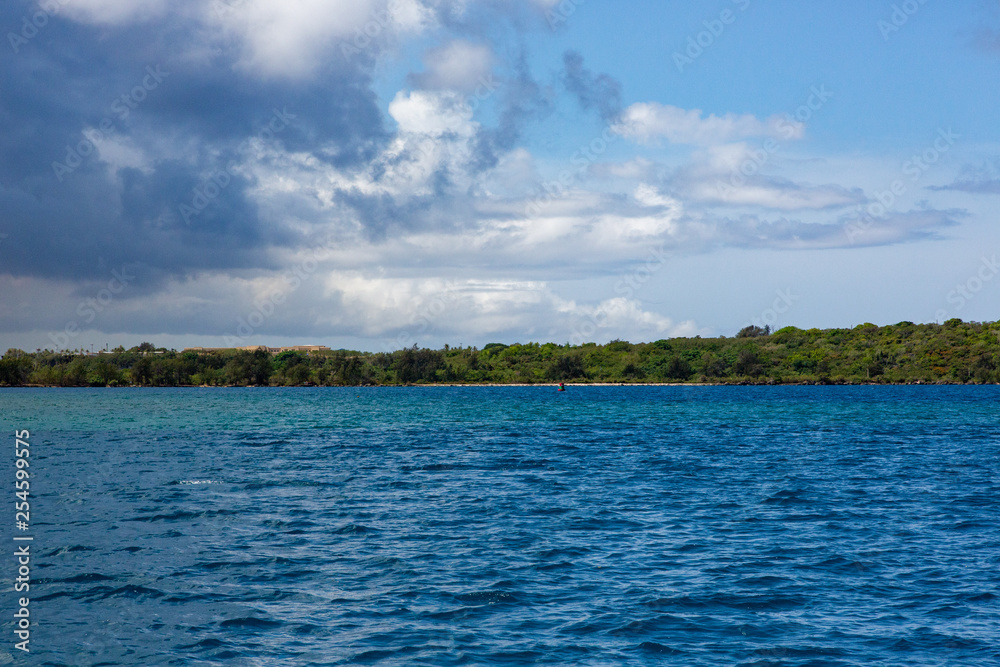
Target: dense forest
{"points": [[953, 352]]}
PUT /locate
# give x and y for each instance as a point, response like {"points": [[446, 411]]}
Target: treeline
{"points": [[953, 352]]}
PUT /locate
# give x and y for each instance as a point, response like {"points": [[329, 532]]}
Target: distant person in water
{"points": [[562, 386]]}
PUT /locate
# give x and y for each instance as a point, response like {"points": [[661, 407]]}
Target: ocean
{"points": [[794, 526]]}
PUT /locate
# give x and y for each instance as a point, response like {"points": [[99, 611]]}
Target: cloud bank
{"points": [[241, 136]]}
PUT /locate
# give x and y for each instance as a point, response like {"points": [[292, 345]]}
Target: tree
{"points": [[261, 367], [288, 358], [104, 374], [748, 363], [754, 331], [632, 372], [413, 364], [566, 367], [678, 368], [297, 374], [14, 369], [712, 366]]}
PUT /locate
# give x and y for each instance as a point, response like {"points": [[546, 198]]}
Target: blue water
{"points": [[511, 526]]}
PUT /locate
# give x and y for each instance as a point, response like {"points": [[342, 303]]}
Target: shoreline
{"points": [[523, 384], [955, 352]]}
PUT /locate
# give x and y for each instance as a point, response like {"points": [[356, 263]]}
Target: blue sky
{"points": [[373, 174]]}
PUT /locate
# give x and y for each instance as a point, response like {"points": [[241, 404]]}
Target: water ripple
{"points": [[786, 526]]}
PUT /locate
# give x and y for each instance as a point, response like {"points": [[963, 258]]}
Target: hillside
{"points": [[953, 352]]}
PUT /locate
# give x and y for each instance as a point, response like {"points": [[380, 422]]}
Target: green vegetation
{"points": [[953, 352]]}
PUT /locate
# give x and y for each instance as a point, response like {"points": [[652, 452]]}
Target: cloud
{"points": [[983, 179], [593, 91], [100, 154], [114, 12], [583, 234], [274, 38], [589, 227], [405, 311], [849, 231], [982, 186], [432, 114], [459, 65], [291, 39], [393, 312], [777, 193], [636, 169], [734, 175], [648, 122], [264, 136], [521, 100]]}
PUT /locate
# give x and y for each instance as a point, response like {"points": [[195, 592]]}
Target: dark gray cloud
{"points": [[175, 122], [522, 100], [172, 205], [518, 96], [600, 92]]}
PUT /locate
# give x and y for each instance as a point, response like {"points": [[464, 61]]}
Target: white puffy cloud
{"points": [[292, 39], [648, 122], [404, 311], [649, 196], [458, 65], [431, 113], [617, 317], [430, 153], [436, 132], [278, 38]]}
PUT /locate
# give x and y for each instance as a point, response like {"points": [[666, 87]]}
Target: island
{"points": [[954, 352]]}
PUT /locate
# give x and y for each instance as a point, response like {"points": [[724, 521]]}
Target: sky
{"points": [[373, 175]]}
